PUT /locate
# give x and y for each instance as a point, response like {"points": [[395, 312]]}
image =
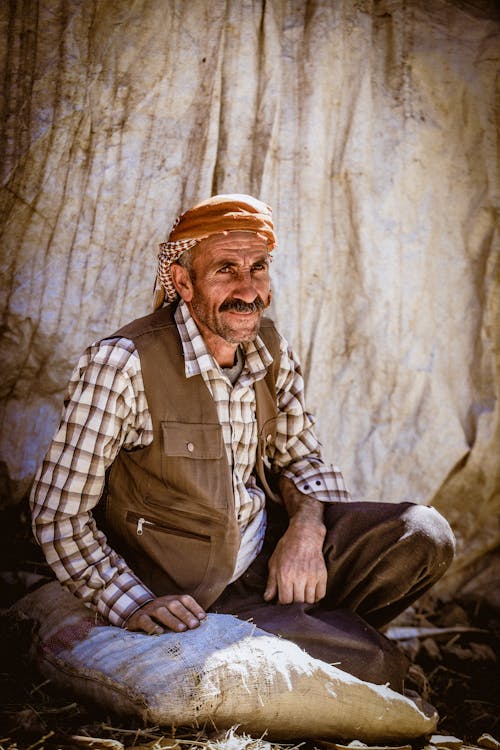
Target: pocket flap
{"points": [[192, 440]]}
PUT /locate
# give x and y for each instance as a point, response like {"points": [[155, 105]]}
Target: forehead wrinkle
{"points": [[239, 261], [234, 240]]}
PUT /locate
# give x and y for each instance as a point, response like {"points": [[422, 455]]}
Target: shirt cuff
{"points": [[122, 597], [323, 483]]}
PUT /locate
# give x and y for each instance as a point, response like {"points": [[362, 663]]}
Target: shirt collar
{"points": [[197, 358]]}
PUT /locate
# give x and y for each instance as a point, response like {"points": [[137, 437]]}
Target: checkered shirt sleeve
{"points": [[296, 452], [105, 408]]}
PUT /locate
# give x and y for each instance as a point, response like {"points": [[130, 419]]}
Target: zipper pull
{"points": [[140, 524]]}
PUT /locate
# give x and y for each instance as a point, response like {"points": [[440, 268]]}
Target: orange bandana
{"points": [[221, 213]]}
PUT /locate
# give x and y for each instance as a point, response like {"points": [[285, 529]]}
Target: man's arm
{"points": [[105, 409], [297, 571]]}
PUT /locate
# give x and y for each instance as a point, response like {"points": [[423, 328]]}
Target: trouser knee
{"points": [[431, 536]]}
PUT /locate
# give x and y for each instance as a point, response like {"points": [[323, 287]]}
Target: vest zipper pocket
{"points": [[142, 523], [153, 506]]}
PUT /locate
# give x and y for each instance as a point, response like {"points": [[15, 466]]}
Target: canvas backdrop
{"points": [[370, 127]]}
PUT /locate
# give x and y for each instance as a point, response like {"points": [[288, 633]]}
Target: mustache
{"points": [[239, 305]]}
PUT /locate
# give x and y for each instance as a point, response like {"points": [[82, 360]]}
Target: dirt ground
{"points": [[454, 647]]}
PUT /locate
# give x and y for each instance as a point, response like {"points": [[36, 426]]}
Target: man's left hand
{"points": [[297, 570]]}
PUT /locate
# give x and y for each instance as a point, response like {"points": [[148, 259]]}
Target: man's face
{"points": [[229, 286]]}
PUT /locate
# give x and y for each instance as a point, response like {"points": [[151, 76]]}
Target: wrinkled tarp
{"points": [[370, 127]]}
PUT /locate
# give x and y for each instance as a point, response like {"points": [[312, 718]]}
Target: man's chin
{"points": [[241, 334], [234, 337]]}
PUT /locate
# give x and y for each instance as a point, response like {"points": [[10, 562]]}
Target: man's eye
{"points": [[259, 267]]}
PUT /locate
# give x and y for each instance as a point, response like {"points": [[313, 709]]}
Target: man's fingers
{"points": [[299, 587], [195, 612], [170, 620], [176, 616], [315, 591], [177, 613], [143, 622], [310, 594], [287, 591], [321, 589], [184, 604]]}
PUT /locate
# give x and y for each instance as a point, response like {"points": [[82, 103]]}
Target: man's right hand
{"points": [[174, 612]]}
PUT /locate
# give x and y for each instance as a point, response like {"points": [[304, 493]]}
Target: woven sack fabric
{"points": [[226, 672]]}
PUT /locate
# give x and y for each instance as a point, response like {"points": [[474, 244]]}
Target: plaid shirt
{"points": [[105, 410]]}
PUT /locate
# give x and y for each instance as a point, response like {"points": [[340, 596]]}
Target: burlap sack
{"points": [[226, 672]]}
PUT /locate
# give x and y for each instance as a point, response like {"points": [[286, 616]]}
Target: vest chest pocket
{"points": [[191, 440], [194, 462]]}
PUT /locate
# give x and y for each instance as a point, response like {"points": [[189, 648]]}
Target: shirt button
{"points": [[269, 438], [190, 447]]}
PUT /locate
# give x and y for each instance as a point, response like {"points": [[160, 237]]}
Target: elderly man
{"points": [[186, 477]]}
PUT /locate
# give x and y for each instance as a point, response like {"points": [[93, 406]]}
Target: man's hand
{"points": [[177, 612], [297, 570]]}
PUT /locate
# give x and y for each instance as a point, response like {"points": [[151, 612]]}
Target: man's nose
{"points": [[245, 287]]}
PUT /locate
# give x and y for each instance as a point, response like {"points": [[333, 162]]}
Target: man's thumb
{"points": [[270, 591]]}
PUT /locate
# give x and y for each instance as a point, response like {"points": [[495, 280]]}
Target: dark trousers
{"points": [[380, 558]]}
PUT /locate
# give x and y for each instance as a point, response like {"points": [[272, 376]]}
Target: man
{"points": [[185, 438]]}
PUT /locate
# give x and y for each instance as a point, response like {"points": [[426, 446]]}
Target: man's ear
{"points": [[182, 281]]}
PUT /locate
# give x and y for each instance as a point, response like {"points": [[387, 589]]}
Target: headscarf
{"points": [[221, 213]]}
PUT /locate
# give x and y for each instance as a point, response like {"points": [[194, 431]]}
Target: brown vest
{"points": [[169, 507]]}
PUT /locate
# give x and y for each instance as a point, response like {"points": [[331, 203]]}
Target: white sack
{"points": [[227, 672]]}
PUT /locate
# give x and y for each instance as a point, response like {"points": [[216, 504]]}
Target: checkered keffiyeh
{"points": [[221, 213], [169, 253]]}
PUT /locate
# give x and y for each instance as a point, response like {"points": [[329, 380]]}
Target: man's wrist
{"points": [[309, 525], [305, 514], [298, 505]]}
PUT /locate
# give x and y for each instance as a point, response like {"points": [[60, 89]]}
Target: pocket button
{"points": [[190, 447]]}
